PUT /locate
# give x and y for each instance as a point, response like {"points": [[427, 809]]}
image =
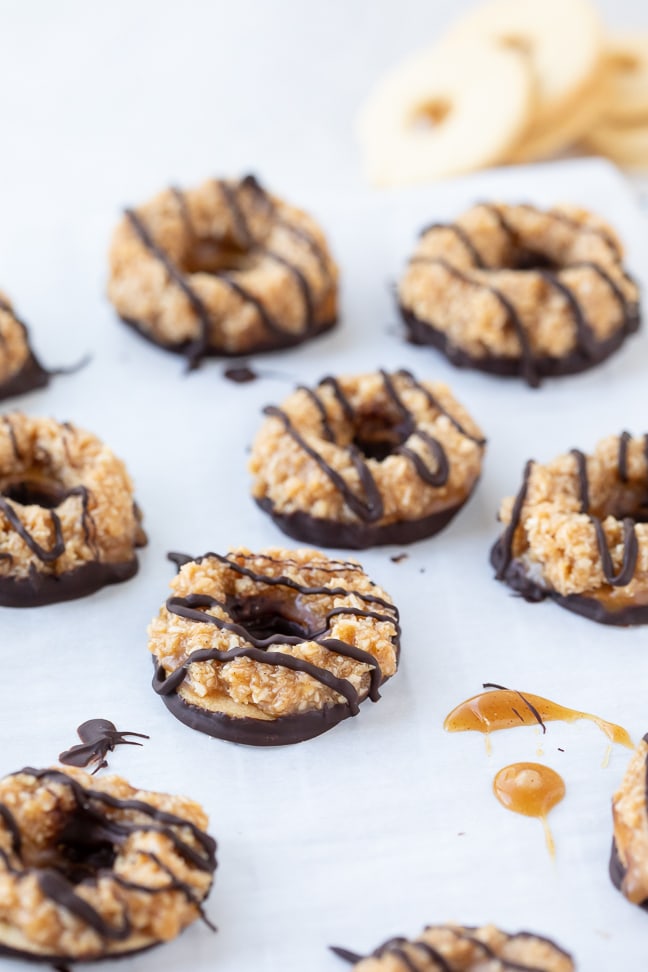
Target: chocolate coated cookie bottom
{"points": [[588, 607], [356, 536], [422, 333]]}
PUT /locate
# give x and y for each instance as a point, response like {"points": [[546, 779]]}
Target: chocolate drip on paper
{"points": [[98, 738], [587, 349], [369, 508], [90, 822]]}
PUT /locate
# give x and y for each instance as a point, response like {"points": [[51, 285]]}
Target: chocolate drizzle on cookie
{"points": [[367, 505], [36, 489], [509, 570], [587, 349], [261, 622], [396, 947], [252, 248], [85, 846]]}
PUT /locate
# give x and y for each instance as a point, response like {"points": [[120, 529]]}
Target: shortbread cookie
{"points": [[625, 143], [224, 269], [629, 858], [626, 97], [68, 522], [449, 109], [562, 39], [96, 869], [365, 460], [565, 129], [20, 369], [576, 532], [455, 948], [272, 648], [516, 290]]}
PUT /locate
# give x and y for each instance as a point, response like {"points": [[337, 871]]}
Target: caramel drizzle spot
{"points": [[192, 608], [370, 508], [585, 338], [56, 887]]}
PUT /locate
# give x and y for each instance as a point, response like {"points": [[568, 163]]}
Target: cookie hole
{"points": [[431, 114], [516, 43], [263, 616], [80, 849], [378, 434], [46, 493], [525, 259], [214, 256], [626, 62]]}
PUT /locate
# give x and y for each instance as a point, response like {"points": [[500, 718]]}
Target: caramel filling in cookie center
{"points": [[263, 616], [216, 256]]}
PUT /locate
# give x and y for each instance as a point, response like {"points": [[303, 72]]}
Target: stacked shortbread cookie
{"points": [[513, 81]]}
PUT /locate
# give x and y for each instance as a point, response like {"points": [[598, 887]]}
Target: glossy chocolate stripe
{"points": [[461, 235], [197, 348], [503, 550], [369, 509], [585, 339], [622, 461], [46, 556]]}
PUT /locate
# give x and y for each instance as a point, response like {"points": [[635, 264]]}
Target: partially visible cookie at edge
{"points": [[456, 948], [629, 857], [94, 868]]}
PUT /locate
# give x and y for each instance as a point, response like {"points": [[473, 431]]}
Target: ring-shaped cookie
{"points": [[20, 370], [68, 522], [365, 460], [629, 857], [576, 532], [94, 869], [272, 648], [223, 269], [455, 948], [519, 291]]}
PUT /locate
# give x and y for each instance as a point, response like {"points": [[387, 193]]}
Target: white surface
{"points": [[385, 823]]}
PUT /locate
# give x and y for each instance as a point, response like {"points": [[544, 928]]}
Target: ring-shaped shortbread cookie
{"points": [[365, 460], [68, 522], [272, 648], [515, 290], [576, 532], [223, 269], [20, 370], [94, 869]]}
